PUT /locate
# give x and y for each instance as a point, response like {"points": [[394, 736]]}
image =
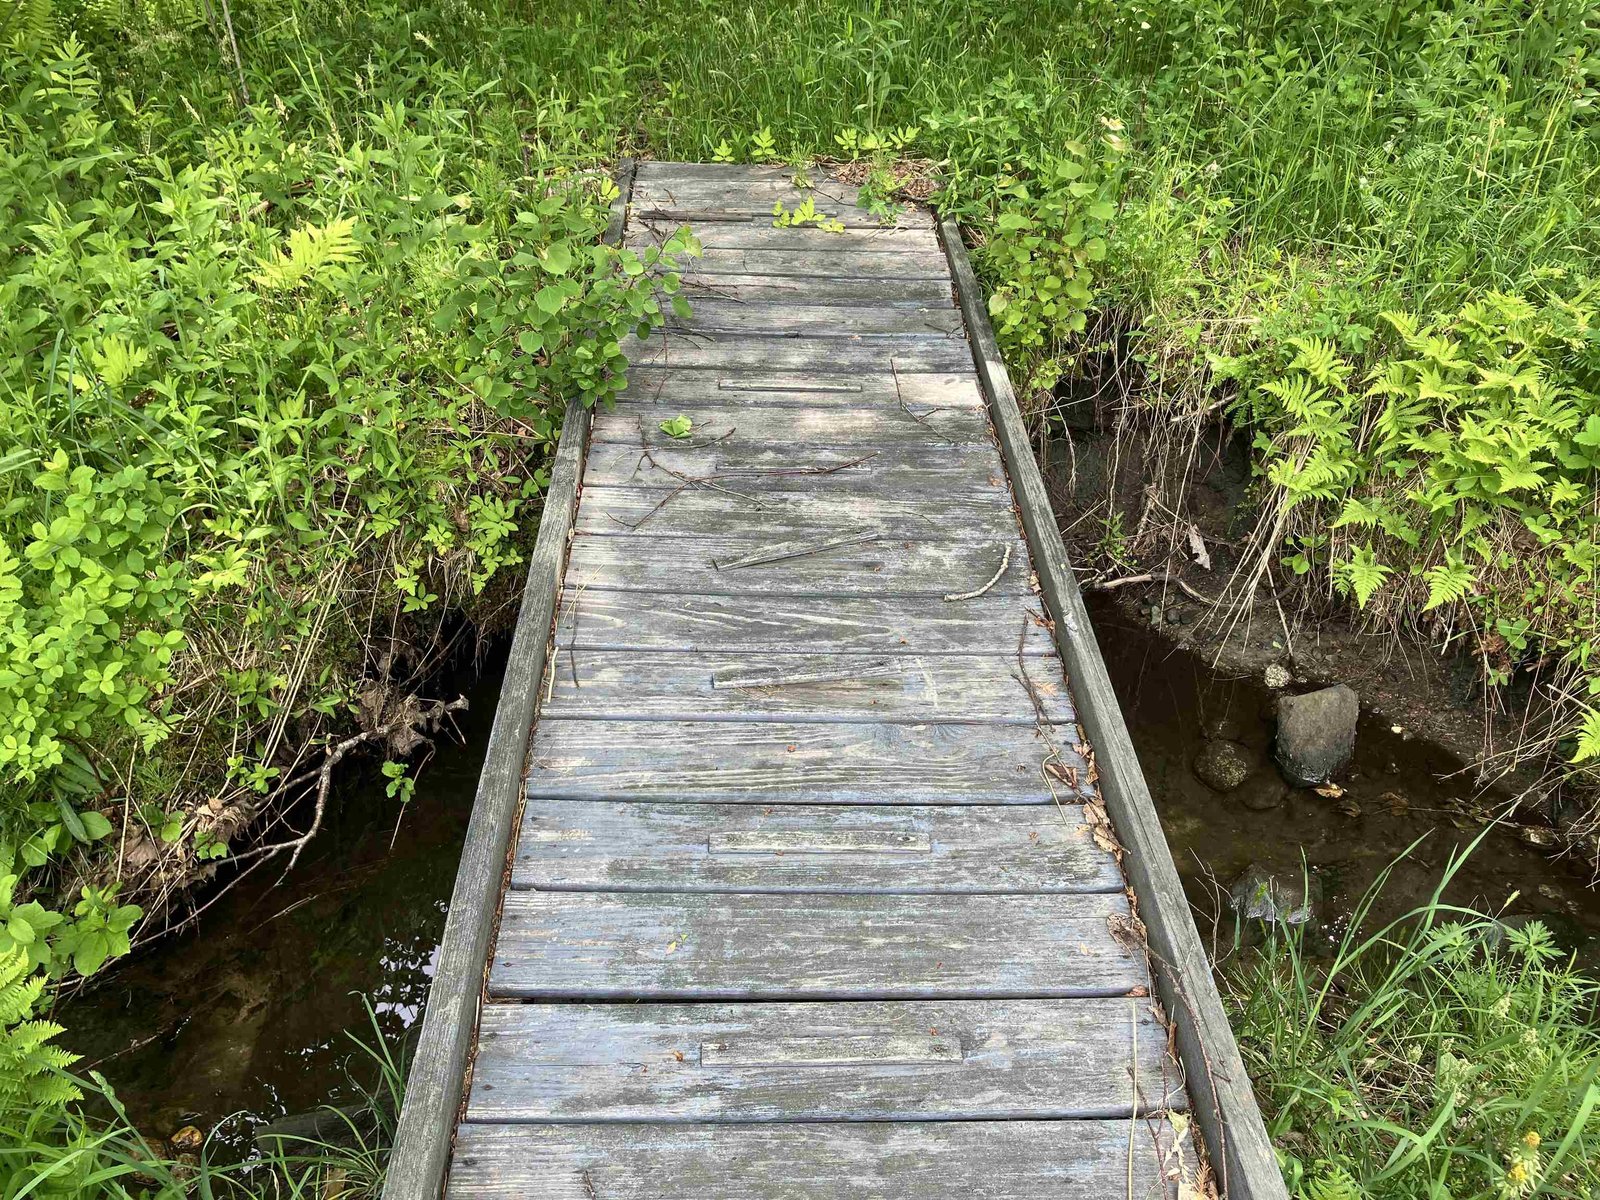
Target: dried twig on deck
{"points": [[1005, 561], [783, 551], [920, 419]]}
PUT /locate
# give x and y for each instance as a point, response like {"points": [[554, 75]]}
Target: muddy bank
{"points": [[1398, 788], [246, 1017], [1180, 512]]}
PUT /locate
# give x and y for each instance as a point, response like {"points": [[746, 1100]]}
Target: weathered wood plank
{"points": [[870, 390], [1227, 1112], [990, 624], [710, 315], [944, 1160], [698, 286], [873, 568], [699, 352], [681, 197], [896, 1061], [744, 466], [635, 846], [623, 685], [648, 946], [763, 235], [922, 513], [840, 263], [748, 762], [734, 426]]}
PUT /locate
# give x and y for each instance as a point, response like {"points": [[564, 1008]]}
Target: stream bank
{"points": [[248, 1016]]}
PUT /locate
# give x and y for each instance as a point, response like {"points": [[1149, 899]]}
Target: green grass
{"points": [[1443, 1055]]}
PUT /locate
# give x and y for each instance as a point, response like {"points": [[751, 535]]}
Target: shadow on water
{"points": [[248, 1015], [1397, 790]]}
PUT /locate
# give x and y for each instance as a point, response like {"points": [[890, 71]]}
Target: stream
{"points": [[250, 1017]]}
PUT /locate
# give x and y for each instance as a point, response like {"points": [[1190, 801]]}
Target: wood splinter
{"points": [[1005, 561]]}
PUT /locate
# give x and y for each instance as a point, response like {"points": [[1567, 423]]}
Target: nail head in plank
{"points": [[660, 846], [895, 1060], [949, 1160], [685, 946]]}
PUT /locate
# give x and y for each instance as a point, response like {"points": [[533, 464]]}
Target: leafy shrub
{"points": [[248, 396]]}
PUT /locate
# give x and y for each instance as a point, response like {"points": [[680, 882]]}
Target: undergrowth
{"points": [[1443, 1056]]}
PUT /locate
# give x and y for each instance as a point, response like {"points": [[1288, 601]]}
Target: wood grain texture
{"points": [[421, 1152], [940, 849], [881, 1061], [949, 1160], [749, 762], [695, 352], [649, 946], [763, 235], [879, 568], [869, 390], [711, 315], [672, 195], [842, 263], [612, 685], [744, 466], [1225, 1104], [700, 285], [735, 426], [777, 625], [805, 507]]}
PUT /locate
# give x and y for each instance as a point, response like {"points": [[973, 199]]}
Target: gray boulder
{"points": [[1316, 734], [1278, 897], [1223, 765]]}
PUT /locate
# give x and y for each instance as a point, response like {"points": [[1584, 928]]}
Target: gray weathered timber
{"points": [[752, 423], [699, 286], [741, 463], [763, 235], [670, 195], [686, 946], [936, 849], [608, 684], [420, 1158], [883, 1061], [951, 1160], [770, 762], [825, 264], [696, 352], [778, 625], [1224, 1103], [712, 315], [879, 568], [828, 392], [805, 507]]}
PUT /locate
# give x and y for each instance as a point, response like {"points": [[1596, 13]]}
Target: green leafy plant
{"points": [[805, 213]]}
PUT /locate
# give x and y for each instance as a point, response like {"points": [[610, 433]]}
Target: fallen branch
{"points": [[784, 551], [921, 419], [333, 756], [1005, 561], [1111, 585]]}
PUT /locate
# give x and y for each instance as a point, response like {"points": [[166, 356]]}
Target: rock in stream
{"points": [[1316, 734]]}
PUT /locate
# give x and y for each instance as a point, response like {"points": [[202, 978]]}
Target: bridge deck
{"points": [[814, 892]]}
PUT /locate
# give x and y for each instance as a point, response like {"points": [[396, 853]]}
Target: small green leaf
{"points": [[678, 427]]}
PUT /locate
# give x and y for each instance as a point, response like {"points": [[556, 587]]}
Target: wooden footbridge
{"points": [[811, 857]]}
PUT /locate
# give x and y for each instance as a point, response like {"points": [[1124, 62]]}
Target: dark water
{"points": [[249, 1015], [1397, 790]]}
